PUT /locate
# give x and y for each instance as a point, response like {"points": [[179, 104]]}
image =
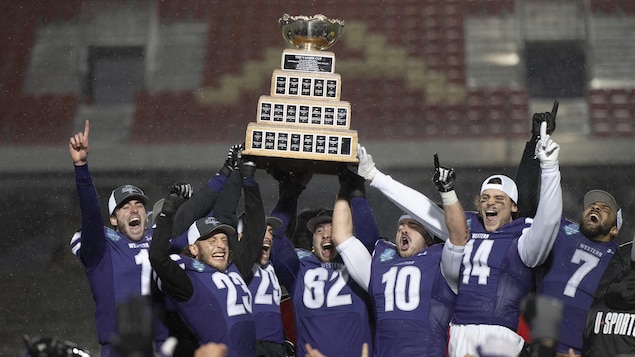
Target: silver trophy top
{"points": [[310, 32]]}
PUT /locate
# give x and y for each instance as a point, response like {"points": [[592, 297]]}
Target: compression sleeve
{"points": [[248, 248], [357, 260], [451, 258], [364, 223], [528, 181], [535, 243], [93, 239], [414, 203]]}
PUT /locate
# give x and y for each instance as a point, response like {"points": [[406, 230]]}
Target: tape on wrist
{"points": [[449, 197]]}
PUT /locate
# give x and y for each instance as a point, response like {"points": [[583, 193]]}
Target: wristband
{"points": [[449, 197]]}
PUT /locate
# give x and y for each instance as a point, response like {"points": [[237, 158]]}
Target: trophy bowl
{"points": [[310, 32]]}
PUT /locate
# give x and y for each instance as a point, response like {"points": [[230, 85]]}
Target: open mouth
{"points": [[490, 216], [594, 217], [405, 242], [134, 222]]}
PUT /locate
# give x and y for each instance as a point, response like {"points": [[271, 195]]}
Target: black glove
{"points": [[182, 189], [172, 203], [351, 184], [247, 169], [444, 177], [232, 160], [549, 117]]}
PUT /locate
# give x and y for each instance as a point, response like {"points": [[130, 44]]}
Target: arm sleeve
{"points": [[414, 203], [173, 280], [528, 181], [93, 239], [283, 255], [227, 202], [249, 246], [364, 223], [535, 243], [451, 259], [199, 205], [357, 260]]}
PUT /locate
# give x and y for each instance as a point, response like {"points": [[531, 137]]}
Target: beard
{"points": [[594, 232]]}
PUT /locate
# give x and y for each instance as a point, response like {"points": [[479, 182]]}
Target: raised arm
{"points": [[528, 172], [93, 240], [247, 249], [445, 180], [535, 244], [356, 257], [420, 207], [173, 280], [203, 200]]}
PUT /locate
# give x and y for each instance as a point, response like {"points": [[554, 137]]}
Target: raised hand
{"points": [[444, 177], [548, 117], [366, 167], [182, 189], [78, 146], [547, 150]]}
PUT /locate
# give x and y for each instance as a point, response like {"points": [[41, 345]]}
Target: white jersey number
{"points": [[477, 265], [402, 288], [315, 295], [235, 305], [267, 278], [143, 259], [589, 262]]}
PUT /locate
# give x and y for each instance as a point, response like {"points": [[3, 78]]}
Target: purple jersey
{"points": [[266, 292], [494, 279], [413, 302], [220, 309], [575, 267], [331, 312], [117, 267]]}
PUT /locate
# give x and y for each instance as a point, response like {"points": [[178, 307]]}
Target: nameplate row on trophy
{"points": [[281, 141], [313, 113], [307, 85], [302, 60]]}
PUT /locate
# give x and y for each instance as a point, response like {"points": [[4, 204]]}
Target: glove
{"points": [[549, 117], [247, 169], [351, 185], [444, 178], [547, 150], [232, 160], [182, 189], [366, 167], [171, 203], [233, 155]]}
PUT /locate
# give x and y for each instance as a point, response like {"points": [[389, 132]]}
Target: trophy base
{"points": [[297, 165]]}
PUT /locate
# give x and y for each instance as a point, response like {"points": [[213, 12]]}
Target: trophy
{"points": [[302, 123]]}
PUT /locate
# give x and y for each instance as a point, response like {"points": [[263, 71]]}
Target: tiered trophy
{"points": [[302, 124]]}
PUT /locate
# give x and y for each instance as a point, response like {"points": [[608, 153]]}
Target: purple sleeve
{"points": [[92, 226], [364, 223], [283, 255]]}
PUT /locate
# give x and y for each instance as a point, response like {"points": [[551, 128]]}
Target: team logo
{"points": [[212, 220], [386, 255], [303, 253], [571, 228], [198, 266], [129, 189], [112, 235]]}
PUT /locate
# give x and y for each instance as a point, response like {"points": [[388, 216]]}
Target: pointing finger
{"points": [[543, 130], [86, 128], [554, 110], [436, 161]]}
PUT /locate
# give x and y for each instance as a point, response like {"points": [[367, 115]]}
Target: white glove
{"points": [[547, 150], [366, 167]]}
